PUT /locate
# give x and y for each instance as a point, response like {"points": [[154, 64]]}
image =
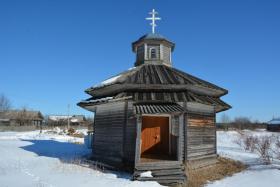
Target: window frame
{"points": [[153, 55]]}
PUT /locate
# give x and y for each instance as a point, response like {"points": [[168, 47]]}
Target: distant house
{"points": [[273, 125], [4, 121], [77, 120], [21, 117], [59, 120]]}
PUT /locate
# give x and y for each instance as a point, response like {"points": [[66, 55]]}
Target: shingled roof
{"points": [[158, 83]]}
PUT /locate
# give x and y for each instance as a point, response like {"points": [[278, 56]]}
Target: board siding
{"points": [[130, 135], [201, 136], [140, 53], [109, 129], [181, 141], [166, 54]]}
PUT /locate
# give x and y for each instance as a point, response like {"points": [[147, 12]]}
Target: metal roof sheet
{"points": [[157, 108]]}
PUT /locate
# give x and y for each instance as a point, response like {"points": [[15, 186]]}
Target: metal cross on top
{"points": [[153, 18]]}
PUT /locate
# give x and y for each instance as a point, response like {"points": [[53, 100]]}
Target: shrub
{"points": [[71, 131], [250, 143], [277, 147], [260, 145], [264, 149]]}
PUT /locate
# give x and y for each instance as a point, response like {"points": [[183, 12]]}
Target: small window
{"points": [[153, 53]]}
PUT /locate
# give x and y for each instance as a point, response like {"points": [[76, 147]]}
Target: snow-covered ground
{"points": [[31, 159], [257, 174]]}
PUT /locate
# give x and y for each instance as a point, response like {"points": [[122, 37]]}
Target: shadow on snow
{"points": [[66, 152], [56, 149]]}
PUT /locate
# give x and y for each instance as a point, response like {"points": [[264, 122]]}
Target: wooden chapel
{"points": [[154, 117]]}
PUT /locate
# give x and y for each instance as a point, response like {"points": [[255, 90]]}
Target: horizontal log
{"points": [[160, 179], [168, 172], [200, 153], [155, 167]]}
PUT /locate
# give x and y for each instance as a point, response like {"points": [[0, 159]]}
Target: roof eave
{"points": [[141, 41], [113, 89], [224, 109]]}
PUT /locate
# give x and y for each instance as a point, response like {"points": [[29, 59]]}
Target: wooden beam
{"points": [[181, 140], [138, 140], [215, 133], [193, 107]]}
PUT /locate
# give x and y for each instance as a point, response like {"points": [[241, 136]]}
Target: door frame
{"points": [[181, 141], [139, 133]]}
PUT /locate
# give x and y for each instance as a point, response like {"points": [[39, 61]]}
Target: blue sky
{"points": [[51, 51]]}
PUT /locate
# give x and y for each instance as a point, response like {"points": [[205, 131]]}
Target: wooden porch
{"points": [[159, 148], [165, 172]]}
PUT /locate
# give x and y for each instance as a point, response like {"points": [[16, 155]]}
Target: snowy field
{"points": [[258, 174], [31, 159]]}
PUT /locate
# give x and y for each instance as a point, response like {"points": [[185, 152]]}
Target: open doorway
{"points": [[156, 139]]}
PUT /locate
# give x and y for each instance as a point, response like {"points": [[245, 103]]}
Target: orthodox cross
{"points": [[153, 18]]}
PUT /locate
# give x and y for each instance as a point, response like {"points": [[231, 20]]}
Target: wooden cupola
{"points": [[153, 49]]}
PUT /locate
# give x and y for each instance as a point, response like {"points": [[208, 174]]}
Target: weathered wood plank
{"points": [[138, 140], [130, 134], [201, 135], [200, 108], [109, 133]]}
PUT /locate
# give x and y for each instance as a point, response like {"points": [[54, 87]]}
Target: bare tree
{"points": [[5, 103], [242, 122], [23, 117], [225, 120]]}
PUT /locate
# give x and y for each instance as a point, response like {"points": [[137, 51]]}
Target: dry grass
{"points": [[77, 135], [223, 168]]}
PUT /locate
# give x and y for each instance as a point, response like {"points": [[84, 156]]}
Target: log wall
{"points": [[109, 133], [178, 134], [130, 135], [201, 136]]}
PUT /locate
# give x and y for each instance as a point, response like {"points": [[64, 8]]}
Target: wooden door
{"points": [[155, 135]]}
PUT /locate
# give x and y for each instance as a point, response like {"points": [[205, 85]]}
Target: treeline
{"points": [[239, 123]]}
